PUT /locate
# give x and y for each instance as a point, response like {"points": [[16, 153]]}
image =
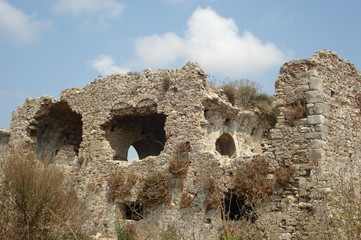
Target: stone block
{"points": [[313, 96], [276, 134], [316, 119], [316, 84], [321, 128], [307, 74], [315, 135], [321, 108], [317, 143], [287, 90], [316, 154]]}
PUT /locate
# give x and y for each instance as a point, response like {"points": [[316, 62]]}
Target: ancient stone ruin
{"points": [[191, 143]]}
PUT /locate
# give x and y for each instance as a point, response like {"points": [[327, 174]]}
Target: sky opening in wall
{"points": [[50, 45]]}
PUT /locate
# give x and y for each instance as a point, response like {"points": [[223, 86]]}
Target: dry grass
{"points": [[283, 175], [120, 185], [340, 210], [156, 189], [214, 193], [186, 200], [145, 230], [246, 94], [296, 110], [250, 182], [179, 164], [36, 202]]}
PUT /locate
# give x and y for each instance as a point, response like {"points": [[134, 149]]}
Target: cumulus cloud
{"points": [[213, 41], [110, 8], [18, 27], [104, 64]]}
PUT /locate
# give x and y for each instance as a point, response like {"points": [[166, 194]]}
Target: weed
{"points": [[342, 217], [36, 202], [124, 232], [179, 164], [186, 200], [214, 193], [283, 175], [120, 185], [166, 83], [156, 189], [296, 110], [250, 182], [170, 233]]}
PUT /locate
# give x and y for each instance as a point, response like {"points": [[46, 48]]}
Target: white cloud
{"points": [[104, 64], [215, 43], [159, 49], [17, 27], [110, 8]]}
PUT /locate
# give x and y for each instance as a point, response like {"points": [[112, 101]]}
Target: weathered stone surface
{"points": [[313, 97], [156, 112], [316, 154], [316, 84], [316, 119]]}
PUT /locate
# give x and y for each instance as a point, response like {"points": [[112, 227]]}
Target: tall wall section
{"points": [[318, 132]]}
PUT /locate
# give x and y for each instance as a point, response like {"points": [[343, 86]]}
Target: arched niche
{"points": [[58, 134], [225, 145], [144, 132]]}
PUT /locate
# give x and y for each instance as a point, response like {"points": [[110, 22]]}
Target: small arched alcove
{"points": [[225, 145]]}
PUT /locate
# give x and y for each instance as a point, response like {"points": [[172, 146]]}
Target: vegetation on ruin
{"points": [[248, 95], [36, 202], [179, 164], [295, 111], [145, 230], [120, 185], [156, 189], [340, 209]]}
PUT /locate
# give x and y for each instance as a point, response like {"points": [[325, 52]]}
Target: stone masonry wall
{"points": [[317, 132], [88, 131]]}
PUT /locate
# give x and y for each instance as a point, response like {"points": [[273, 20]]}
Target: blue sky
{"points": [[49, 45]]}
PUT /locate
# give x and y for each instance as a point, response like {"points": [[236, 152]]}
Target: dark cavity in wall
{"points": [[235, 209], [58, 134], [144, 132], [225, 145], [132, 211]]}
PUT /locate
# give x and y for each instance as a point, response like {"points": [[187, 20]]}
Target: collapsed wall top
{"points": [[149, 111]]}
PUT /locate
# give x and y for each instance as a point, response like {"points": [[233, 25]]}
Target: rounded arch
{"points": [[225, 145]]}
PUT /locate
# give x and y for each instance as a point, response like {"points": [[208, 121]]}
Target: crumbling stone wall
{"points": [[155, 112], [89, 131], [4, 140], [317, 132]]}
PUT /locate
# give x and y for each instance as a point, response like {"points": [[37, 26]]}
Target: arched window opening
{"points": [[58, 134], [225, 145], [132, 154], [145, 133]]}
